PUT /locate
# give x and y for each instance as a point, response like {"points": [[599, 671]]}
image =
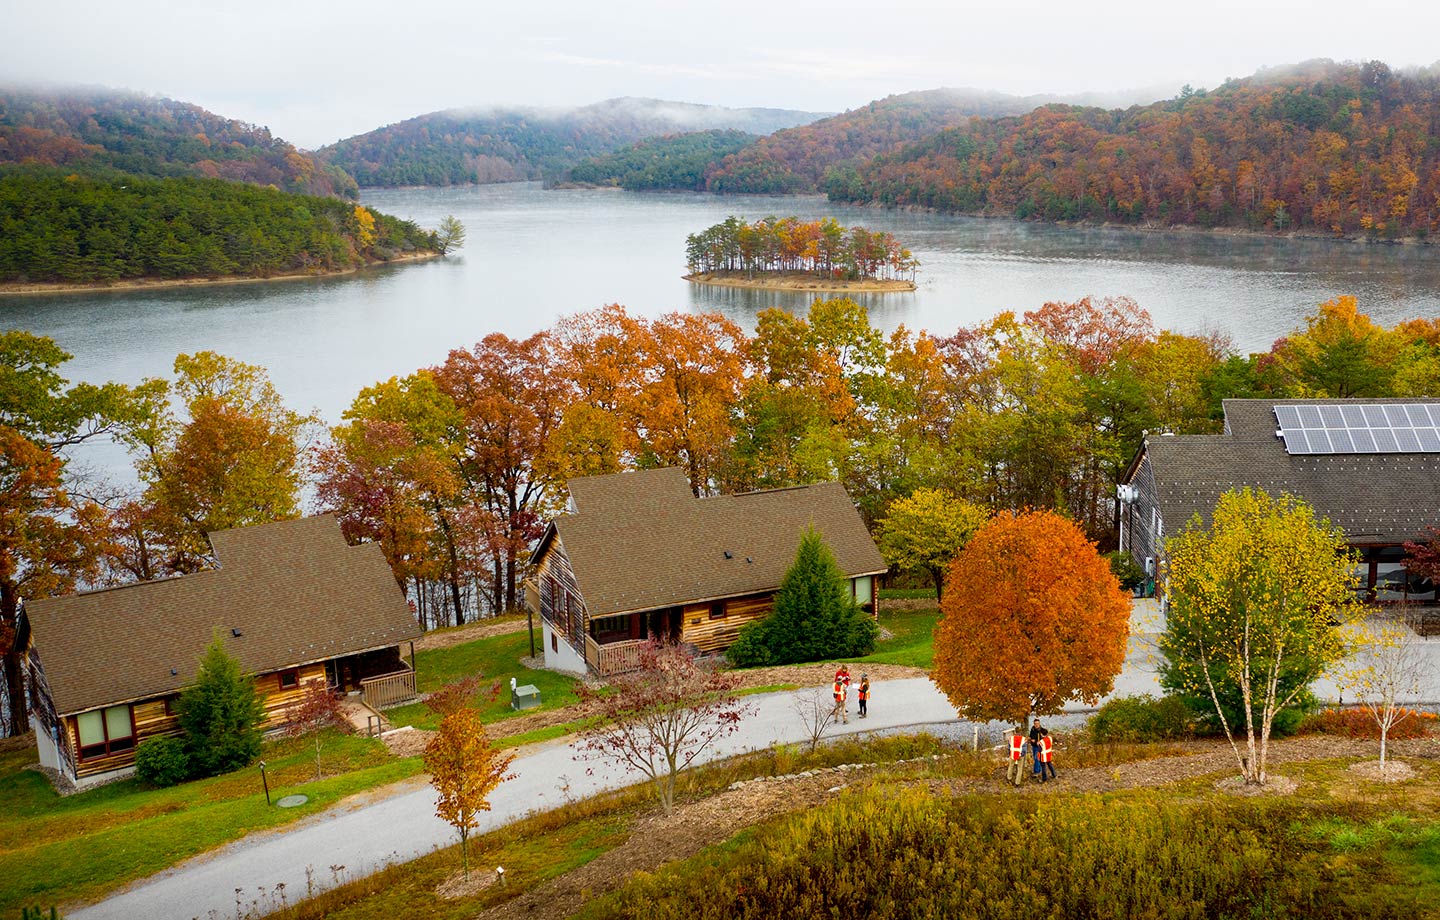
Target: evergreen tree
{"points": [[814, 617], [221, 715]]}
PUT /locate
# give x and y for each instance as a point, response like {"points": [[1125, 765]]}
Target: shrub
{"points": [[1126, 569], [162, 761], [1142, 719], [1207, 722], [815, 617], [1359, 723], [221, 715]]}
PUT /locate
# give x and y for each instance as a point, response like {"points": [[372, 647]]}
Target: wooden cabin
{"points": [[639, 557], [1372, 466], [293, 602]]}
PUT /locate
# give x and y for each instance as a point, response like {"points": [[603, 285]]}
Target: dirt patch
{"points": [[908, 603], [1394, 771], [458, 635], [823, 675], [458, 886], [407, 742]]}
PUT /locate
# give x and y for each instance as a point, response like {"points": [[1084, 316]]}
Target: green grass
{"points": [[913, 642], [79, 847], [498, 659]]}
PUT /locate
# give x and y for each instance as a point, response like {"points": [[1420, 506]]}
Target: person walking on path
{"points": [[1014, 773], [1047, 756], [864, 693]]}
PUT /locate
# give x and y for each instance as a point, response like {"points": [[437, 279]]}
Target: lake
{"points": [[534, 255]]}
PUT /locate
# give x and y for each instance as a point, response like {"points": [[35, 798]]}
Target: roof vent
{"points": [[729, 555], [174, 672], [748, 559], [235, 631]]}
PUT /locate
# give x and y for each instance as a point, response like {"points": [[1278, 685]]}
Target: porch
{"points": [[612, 645], [383, 677]]}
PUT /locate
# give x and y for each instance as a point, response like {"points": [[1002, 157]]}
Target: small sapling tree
{"points": [[1032, 617], [1257, 608], [220, 715], [464, 769], [816, 709], [316, 710], [660, 717], [1390, 665]]}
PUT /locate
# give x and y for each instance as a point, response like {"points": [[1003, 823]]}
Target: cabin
{"points": [[639, 557], [1372, 466], [294, 603]]}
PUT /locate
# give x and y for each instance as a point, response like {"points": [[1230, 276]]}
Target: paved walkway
{"points": [[365, 837]]}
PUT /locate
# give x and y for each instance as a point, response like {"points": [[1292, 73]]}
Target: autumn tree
{"points": [[451, 234], [48, 538], [1256, 602], [662, 716], [464, 769], [926, 531], [1032, 618], [1340, 354], [814, 616], [1391, 665], [316, 711]]}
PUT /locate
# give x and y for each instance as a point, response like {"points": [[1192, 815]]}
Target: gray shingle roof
{"points": [[296, 591], [1374, 498], [641, 540]]}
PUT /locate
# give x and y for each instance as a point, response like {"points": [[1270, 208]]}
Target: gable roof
{"points": [[642, 540], [295, 590], [1374, 498]]}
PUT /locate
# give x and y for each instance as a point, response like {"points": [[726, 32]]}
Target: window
{"points": [[717, 610], [290, 679], [554, 642], [105, 731]]}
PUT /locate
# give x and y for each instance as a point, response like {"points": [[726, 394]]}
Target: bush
{"points": [[162, 761], [1126, 569], [1359, 723], [1142, 719], [1207, 722], [221, 715], [814, 619]]}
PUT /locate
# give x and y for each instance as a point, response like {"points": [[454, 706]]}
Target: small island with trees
{"points": [[788, 253]]}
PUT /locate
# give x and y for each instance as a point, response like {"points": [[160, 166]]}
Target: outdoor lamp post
{"points": [[265, 781]]}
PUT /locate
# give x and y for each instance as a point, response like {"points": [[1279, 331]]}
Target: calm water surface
{"points": [[535, 255]]}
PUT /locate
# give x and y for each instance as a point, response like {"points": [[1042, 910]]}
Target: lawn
{"points": [[55, 850], [913, 640], [498, 659]]}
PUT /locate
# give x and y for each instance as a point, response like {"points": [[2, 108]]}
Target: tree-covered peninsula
{"points": [[674, 162], [788, 252], [58, 226]]}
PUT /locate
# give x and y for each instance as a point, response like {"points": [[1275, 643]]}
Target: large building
{"points": [[639, 557], [292, 602], [1372, 466]]}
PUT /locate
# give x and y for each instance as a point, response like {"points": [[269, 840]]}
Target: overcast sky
{"points": [[318, 71]]}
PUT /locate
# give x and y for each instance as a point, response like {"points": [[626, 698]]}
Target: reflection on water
{"points": [[533, 256]]}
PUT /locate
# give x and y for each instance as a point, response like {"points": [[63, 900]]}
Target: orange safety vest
{"points": [[865, 690], [1045, 744], [839, 691], [1017, 746]]}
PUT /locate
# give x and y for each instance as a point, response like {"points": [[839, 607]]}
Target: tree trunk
{"points": [[938, 575]]}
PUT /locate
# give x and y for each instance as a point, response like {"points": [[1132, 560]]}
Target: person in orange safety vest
{"points": [[842, 689], [1047, 755], [863, 695], [1014, 773]]}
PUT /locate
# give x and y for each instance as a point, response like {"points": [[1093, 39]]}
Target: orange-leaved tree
{"points": [[464, 769], [1032, 617]]}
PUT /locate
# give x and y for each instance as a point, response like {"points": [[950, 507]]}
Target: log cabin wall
{"points": [[711, 633], [42, 706], [157, 717], [560, 601]]}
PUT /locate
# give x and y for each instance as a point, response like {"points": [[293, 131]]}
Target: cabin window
{"points": [[105, 731], [611, 629], [717, 610], [290, 679], [861, 587], [554, 642]]}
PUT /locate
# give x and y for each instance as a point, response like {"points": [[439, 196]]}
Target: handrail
{"points": [[613, 657], [388, 689]]}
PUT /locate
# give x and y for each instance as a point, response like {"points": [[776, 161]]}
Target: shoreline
{"points": [[131, 285], [800, 282]]}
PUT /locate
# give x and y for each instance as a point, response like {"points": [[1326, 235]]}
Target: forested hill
{"points": [[677, 161], [461, 147], [104, 226], [154, 136], [1346, 149]]}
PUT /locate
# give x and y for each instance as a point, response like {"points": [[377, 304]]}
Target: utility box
{"points": [[525, 696]]}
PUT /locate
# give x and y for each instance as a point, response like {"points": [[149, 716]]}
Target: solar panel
{"points": [[1360, 428]]}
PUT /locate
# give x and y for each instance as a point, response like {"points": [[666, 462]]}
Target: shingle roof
{"points": [[296, 591], [1374, 498], [637, 543]]}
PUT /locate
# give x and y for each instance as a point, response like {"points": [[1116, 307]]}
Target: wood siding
{"points": [[560, 602], [42, 706], [715, 634]]}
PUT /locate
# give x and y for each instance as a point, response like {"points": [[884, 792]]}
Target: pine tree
{"points": [[221, 715], [814, 616]]}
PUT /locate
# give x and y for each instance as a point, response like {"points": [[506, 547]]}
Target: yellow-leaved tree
{"points": [[925, 530], [464, 769], [1257, 605]]}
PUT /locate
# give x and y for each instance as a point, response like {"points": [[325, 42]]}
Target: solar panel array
{"points": [[1360, 428]]}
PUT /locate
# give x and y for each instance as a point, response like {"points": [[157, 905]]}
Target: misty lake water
{"points": [[534, 255]]}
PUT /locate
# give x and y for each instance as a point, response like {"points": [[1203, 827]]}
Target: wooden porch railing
{"points": [[613, 657], [388, 689]]}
